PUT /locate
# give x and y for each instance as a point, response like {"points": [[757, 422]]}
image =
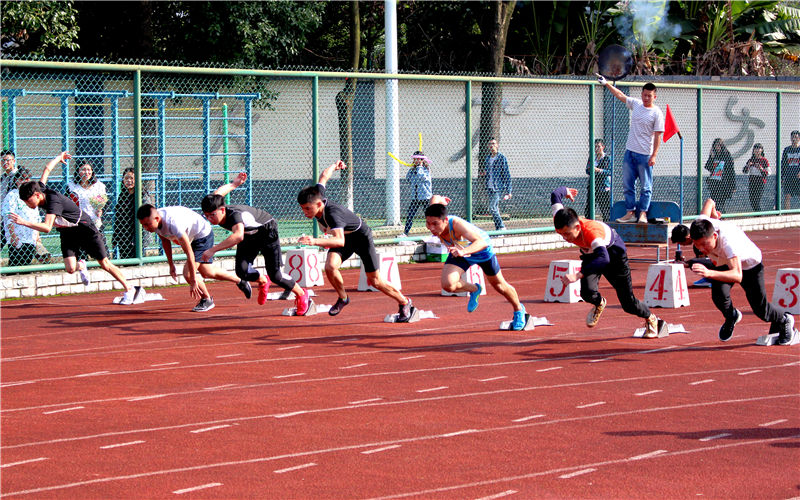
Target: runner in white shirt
{"points": [[194, 235], [736, 259]]}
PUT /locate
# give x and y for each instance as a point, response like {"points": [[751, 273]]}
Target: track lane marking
{"points": [[196, 488], [499, 495], [706, 381], [378, 450], [647, 393], [716, 436], [119, 445], [372, 400], [576, 473], [525, 419], [432, 389], [493, 378], [774, 422], [647, 455], [63, 409], [212, 428], [296, 467], [21, 462], [589, 405]]}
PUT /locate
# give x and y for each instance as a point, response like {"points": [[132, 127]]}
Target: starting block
{"points": [[416, 315], [556, 290], [389, 270], [772, 339], [786, 293], [313, 308], [287, 295], [305, 266], [666, 286], [472, 275], [531, 322], [140, 296], [664, 329]]}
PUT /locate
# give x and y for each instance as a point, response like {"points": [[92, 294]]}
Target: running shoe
{"points": [[473, 298], [127, 297], [642, 218], [205, 304], [83, 273], [786, 331], [594, 314], [702, 283], [338, 306], [518, 322], [301, 303], [726, 331], [651, 327], [404, 312], [629, 217], [263, 292], [246, 289]]}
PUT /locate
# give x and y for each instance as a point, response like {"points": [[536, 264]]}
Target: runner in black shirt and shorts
{"points": [[252, 231], [77, 229], [350, 235]]}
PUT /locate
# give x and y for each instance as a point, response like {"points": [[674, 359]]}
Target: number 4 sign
{"points": [[666, 286], [786, 294], [556, 290]]}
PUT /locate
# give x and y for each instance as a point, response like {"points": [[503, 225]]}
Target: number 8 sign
{"points": [[786, 294], [304, 266]]}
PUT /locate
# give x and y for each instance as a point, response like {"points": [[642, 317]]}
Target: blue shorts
{"points": [[200, 245], [490, 267]]}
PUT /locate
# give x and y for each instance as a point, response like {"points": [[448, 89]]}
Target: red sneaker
{"points": [[301, 303], [262, 292]]}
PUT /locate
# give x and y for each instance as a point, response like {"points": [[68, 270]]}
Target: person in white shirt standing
{"points": [[193, 234], [641, 149], [736, 259]]}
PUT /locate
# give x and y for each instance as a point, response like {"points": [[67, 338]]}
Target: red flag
{"points": [[670, 127]]}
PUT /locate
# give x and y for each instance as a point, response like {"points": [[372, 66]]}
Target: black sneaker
{"points": [[786, 331], [204, 305], [726, 331], [245, 287], [338, 306], [404, 312]]}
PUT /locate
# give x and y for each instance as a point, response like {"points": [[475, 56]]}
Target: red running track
{"points": [[154, 401]]}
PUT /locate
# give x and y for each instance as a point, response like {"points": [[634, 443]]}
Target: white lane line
{"points": [[288, 347], [290, 414], [118, 445], [63, 409], [749, 373], [648, 455], [548, 369], [599, 360], [93, 374], [702, 381], [459, 433], [589, 405], [165, 364], [212, 428], [218, 387], [411, 357], [12, 464], [377, 450], [525, 419], [433, 389], [230, 355], [296, 467], [654, 391], [195, 488], [365, 401], [142, 398], [774, 422], [290, 375], [491, 379], [715, 436], [353, 366], [576, 473], [12, 384], [499, 495]]}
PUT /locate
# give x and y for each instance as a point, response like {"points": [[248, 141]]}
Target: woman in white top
{"points": [[88, 193]]}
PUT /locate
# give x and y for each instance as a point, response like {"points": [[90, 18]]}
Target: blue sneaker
{"points": [[473, 298], [702, 283], [518, 322]]}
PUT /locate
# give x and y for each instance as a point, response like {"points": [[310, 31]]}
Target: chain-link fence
{"points": [[186, 131]]}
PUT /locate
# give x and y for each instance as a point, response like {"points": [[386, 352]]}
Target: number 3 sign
{"points": [[786, 294]]}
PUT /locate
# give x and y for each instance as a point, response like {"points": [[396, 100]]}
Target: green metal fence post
{"points": [[468, 149], [778, 173], [699, 150], [592, 178], [225, 160], [315, 139], [137, 157]]}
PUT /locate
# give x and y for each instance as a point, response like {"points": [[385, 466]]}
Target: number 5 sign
{"points": [[305, 265], [556, 290], [786, 294]]}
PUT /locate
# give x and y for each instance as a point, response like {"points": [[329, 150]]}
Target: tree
{"points": [[38, 28], [345, 99]]}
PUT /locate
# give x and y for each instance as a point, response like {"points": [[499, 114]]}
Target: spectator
{"points": [[88, 193], [498, 182], [721, 180], [790, 170], [23, 241], [6, 184], [602, 180], [757, 170], [123, 237], [419, 178]]}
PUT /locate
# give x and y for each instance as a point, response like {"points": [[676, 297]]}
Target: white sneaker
{"points": [[643, 218], [402, 235], [83, 273], [629, 217], [127, 297]]}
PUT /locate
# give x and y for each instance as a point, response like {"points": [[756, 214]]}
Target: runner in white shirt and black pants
{"points": [[736, 259]]}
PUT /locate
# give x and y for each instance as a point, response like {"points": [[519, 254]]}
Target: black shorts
{"points": [[83, 237], [200, 245], [362, 245]]}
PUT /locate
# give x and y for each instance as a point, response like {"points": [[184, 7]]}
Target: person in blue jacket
{"points": [[498, 182], [419, 178]]}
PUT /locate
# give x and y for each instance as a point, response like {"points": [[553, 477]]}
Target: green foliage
{"points": [[38, 28]]}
